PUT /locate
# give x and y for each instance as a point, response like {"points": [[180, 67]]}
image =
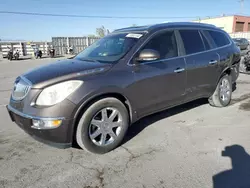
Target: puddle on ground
{"points": [[245, 106], [243, 82], [241, 98]]}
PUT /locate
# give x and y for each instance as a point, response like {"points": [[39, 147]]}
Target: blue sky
{"points": [[43, 28]]}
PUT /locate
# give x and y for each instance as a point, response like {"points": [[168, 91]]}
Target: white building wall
{"points": [[225, 23]]}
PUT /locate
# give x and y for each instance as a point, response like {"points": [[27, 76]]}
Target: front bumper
{"points": [[60, 137]]}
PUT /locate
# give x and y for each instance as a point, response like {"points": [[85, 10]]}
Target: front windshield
{"points": [[110, 48]]}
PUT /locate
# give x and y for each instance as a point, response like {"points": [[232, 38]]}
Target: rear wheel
{"points": [[223, 92], [103, 126]]}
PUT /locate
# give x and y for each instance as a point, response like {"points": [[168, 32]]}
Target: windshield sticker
{"points": [[134, 35]]}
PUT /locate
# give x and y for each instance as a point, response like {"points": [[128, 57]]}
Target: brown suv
{"points": [[93, 97]]}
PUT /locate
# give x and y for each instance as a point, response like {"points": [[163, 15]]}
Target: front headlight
{"points": [[57, 93]]}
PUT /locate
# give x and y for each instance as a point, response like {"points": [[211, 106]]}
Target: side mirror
{"points": [[148, 55]]}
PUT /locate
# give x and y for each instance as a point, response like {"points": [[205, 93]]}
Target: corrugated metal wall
{"points": [[43, 46], [24, 48], [15, 45], [62, 44], [78, 43]]}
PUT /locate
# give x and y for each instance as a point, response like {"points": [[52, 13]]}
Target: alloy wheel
{"points": [[225, 90], [105, 126]]}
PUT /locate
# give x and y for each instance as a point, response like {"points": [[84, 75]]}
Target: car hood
{"points": [[63, 70]]}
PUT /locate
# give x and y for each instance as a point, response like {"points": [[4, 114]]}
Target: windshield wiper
{"points": [[87, 59]]}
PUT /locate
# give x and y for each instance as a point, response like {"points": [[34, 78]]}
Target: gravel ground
{"points": [[180, 147]]}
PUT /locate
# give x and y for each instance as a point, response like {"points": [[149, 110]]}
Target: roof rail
{"points": [[133, 27]]}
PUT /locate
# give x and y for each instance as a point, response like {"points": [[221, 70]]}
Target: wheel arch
{"points": [[227, 71], [95, 98]]}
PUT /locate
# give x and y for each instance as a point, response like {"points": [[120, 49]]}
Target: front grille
{"points": [[21, 88]]}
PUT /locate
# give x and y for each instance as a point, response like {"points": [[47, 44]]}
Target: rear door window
{"points": [[205, 41], [192, 41], [219, 38], [210, 40]]}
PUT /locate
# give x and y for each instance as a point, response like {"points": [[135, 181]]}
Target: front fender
{"points": [[93, 95]]}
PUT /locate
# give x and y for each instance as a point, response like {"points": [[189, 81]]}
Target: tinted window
{"points": [[207, 46], [210, 40], [219, 38], [165, 44], [192, 41]]}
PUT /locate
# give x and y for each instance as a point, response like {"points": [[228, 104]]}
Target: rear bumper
{"points": [[60, 137]]}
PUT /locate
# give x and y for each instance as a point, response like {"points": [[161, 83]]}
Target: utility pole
{"points": [[242, 6]]}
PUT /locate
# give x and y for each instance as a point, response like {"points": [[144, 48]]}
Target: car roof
{"points": [[149, 28]]}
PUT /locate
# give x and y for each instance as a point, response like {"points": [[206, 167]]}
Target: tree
{"points": [[102, 31]]}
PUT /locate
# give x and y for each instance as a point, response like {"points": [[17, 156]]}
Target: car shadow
{"points": [[48, 57], [239, 175], [20, 59], [234, 87], [141, 124]]}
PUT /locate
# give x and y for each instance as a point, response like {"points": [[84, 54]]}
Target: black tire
{"points": [[82, 132], [242, 66], [215, 99]]}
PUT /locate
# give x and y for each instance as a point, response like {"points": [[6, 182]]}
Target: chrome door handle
{"points": [[213, 62], [179, 70]]}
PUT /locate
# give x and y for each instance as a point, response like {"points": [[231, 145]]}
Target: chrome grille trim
{"points": [[22, 85]]}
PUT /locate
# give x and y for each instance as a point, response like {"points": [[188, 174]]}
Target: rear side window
{"points": [[210, 40], [205, 41], [165, 44], [219, 38], [192, 41]]}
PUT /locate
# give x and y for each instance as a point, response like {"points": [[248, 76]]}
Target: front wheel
{"points": [[223, 92], [103, 126]]}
